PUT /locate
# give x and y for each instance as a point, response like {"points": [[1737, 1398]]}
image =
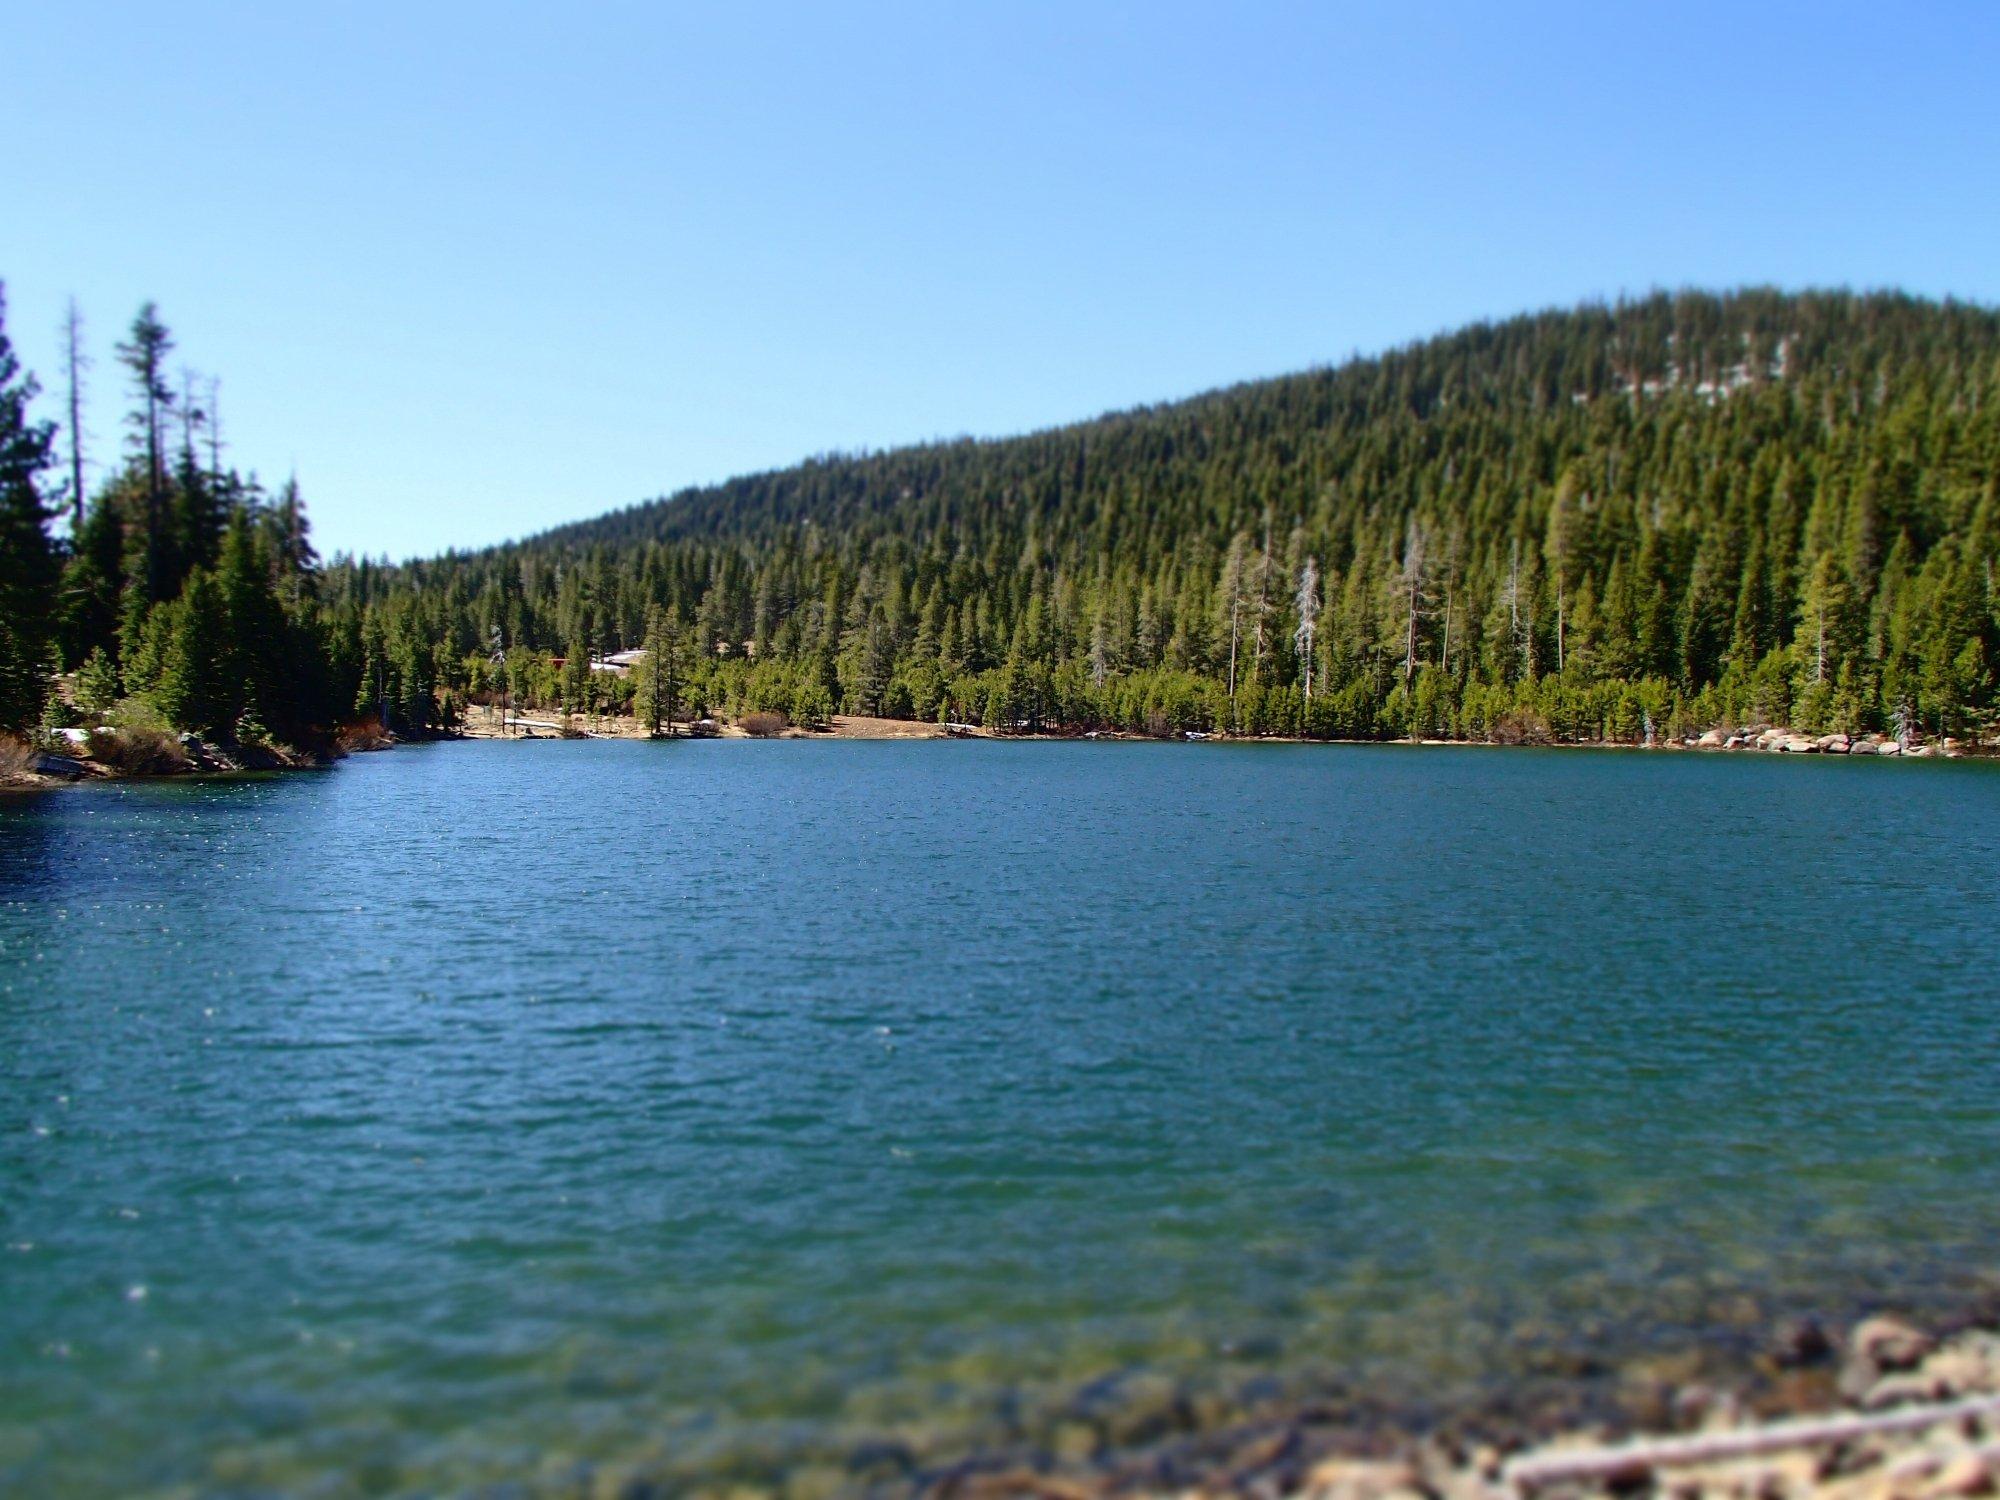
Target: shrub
{"points": [[362, 734], [139, 715], [1518, 727], [138, 752], [17, 757], [763, 725]]}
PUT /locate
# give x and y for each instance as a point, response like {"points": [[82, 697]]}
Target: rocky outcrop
{"points": [[1777, 740], [62, 767]]}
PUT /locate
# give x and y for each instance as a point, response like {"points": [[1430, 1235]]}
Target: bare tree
{"points": [[75, 362], [194, 417], [1450, 601], [1560, 545], [1308, 611], [1444, 650], [1413, 586], [1263, 609], [1517, 633], [1100, 645], [215, 427], [145, 355], [1233, 568], [499, 659]]}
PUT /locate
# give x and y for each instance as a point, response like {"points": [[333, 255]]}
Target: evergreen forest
{"points": [[1621, 522]]}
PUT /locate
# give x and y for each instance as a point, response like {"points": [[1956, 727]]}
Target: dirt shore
{"points": [[482, 723]]}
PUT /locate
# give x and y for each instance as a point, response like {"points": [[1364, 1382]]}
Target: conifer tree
{"points": [[28, 568], [194, 691], [144, 355]]}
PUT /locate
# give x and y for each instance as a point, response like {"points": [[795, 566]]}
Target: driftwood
{"points": [[1634, 1460]]}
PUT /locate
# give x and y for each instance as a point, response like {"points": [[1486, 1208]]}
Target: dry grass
{"points": [[17, 758], [137, 751], [763, 725], [362, 734], [1520, 729]]}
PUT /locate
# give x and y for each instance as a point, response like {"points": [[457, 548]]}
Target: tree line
{"points": [[183, 593], [1607, 523], [1614, 522]]}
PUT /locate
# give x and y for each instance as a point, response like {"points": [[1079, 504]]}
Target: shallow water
{"points": [[485, 1112]]}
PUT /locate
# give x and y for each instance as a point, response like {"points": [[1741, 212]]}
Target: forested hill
{"points": [[1679, 511], [1612, 522]]}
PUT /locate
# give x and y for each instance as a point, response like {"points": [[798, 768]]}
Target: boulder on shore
{"points": [[47, 763], [1889, 1342], [1713, 740]]}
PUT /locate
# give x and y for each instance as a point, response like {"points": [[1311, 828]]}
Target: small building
{"points": [[618, 663]]}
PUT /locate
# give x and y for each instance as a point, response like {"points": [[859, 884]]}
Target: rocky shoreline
{"points": [[98, 757], [1917, 1418], [1781, 741], [1888, 1410], [1763, 1405], [117, 755]]}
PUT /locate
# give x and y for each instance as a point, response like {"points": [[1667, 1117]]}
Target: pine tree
{"points": [[96, 682], [28, 568], [656, 701], [254, 627], [144, 355], [194, 691]]}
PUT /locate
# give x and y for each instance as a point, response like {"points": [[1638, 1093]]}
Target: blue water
{"points": [[484, 1113]]}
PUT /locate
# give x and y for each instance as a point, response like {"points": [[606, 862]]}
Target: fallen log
{"points": [[1623, 1462]]}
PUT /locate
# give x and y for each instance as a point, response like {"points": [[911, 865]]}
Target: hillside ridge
{"points": [[1679, 510]]}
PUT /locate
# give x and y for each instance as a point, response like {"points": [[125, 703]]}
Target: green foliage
{"points": [[97, 682], [194, 689], [657, 676], [1610, 523], [182, 585], [28, 567]]}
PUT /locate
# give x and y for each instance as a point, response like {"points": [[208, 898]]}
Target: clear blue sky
{"points": [[475, 269]]}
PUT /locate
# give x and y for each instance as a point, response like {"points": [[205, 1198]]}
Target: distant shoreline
{"points": [[65, 770], [481, 724]]}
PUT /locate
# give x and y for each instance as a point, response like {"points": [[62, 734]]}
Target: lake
{"points": [[481, 1113]]}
